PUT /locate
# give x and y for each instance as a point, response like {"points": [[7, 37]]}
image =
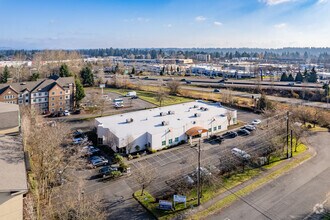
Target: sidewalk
{"points": [[235, 189]]}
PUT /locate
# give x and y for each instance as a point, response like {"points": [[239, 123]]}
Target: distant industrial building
{"points": [[162, 127]]}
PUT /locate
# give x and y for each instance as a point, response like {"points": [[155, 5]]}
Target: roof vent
{"points": [[202, 108], [197, 115], [163, 114], [194, 122], [165, 123], [171, 112], [205, 109], [129, 120], [196, 106]]}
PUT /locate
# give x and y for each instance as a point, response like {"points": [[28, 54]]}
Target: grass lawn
{"points": [[316, 128], [151, 97]]}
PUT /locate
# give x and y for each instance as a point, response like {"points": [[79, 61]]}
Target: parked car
{"points": [[240, 153], [216, 90], [230, 134], [291, 84], [256, 122], [77, 112], [90, 150], [188, 180], [66, 113], [107, 170], [188, 82], [135, 97], [97, 161], [249, 127], [204, 172], [243, 132], [212, 77], [182, 80], [79, 140]]}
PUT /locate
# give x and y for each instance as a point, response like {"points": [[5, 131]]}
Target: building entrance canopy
{"points": [[195, 131]]}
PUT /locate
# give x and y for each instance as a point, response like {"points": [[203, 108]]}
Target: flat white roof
{"points": [[150, 120]]}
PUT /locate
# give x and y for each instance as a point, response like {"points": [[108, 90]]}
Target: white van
{"points": [[131, 94], [240, 153]]}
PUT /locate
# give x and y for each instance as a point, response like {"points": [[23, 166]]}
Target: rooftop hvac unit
{"points": [[162, 114], [197, 115], [170, 112], [129, 120], [196, 106], [202, 108], [205, 109], [165, 123]]}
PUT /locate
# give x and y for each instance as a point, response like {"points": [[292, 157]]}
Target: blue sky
{"points": [[64, 24]]}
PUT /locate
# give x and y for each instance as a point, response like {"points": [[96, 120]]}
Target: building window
{"points": [[46, 93], [27, 100], [163, 143], [67, 97], [170, 141], [60, 103], [53, 110], [53, 93], [100, 140], [67, 91], [52, 104], [215, 128], [34, 94], [60, 109], [20, 101], [53, 99], [219, 127], [234, 120], [20, 95], [61, 97], [176, 139], [210, 129], [39, 100], [60, 92]]}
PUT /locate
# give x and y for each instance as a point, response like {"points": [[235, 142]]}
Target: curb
{"points": [[149, 211]]}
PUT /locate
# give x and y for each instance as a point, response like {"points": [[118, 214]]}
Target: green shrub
{"points": [[130, 157], [153, 151], [123, 165], [138, 155], [115, 174], [118, 158]]}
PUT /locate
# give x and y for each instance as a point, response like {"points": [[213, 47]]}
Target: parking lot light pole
{"points": [[199, 170]]}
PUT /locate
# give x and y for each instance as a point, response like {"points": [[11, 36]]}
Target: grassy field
{"points": [[150, 96]]}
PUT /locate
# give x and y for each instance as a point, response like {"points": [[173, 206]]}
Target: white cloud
{"points": [[168, 25], [276, 2], [217, 23], [322, 1], [141, 19], [200, 18], [280, 26]]}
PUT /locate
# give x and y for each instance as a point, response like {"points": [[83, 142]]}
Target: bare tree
{"points": [[129, 141], [161, 96], [230, 114], [174, 87], [144, 176], [299, 132]]}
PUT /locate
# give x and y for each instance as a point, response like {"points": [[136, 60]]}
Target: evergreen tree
{"points": [[299, 77], [284, 77], [87, 76], [5, 75], [290, 78], [34, 76], [80, 93], [133, 71], [305, 75], [312, 76], [64, 71]]}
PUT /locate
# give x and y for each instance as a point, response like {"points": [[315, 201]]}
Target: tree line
{"points": [[306, 76]]}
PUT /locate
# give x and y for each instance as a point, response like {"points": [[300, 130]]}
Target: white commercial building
{"points": [[162, 127]]}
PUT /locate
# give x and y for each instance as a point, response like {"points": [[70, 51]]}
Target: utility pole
{"points": [[199, 174], [287, 135], [291, 143]]}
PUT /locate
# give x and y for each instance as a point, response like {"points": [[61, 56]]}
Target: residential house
{"points": [[13, 183]]}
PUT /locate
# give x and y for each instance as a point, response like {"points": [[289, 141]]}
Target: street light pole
{"points": [[199, 171]]}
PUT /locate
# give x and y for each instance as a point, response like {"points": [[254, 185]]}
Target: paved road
{"points": [[292, 196]]}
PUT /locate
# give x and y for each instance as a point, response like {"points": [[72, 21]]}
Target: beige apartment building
{"points": [[46, 95]]}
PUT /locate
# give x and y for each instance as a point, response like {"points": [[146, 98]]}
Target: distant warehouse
{"points": [[162, 127]]}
